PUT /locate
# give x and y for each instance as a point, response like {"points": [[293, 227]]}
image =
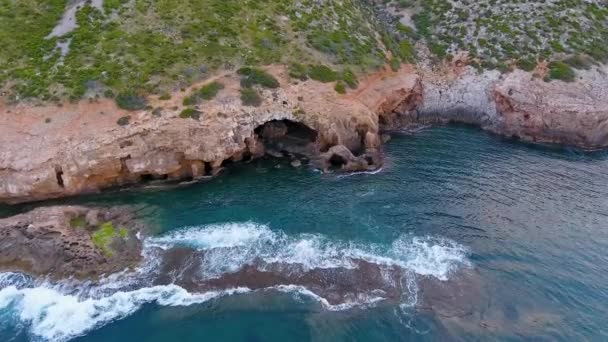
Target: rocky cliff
{"points": [[50, 152]]}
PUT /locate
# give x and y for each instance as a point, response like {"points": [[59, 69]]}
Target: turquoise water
{"points": [[502, 241]]}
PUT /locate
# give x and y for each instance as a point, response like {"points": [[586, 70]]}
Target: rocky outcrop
{"points": [[66, 241], [517, 104], [555, 112], [50, 152]]}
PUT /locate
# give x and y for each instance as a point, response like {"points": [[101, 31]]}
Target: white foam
{"points": [[55, 316], [214, 236], [362, 301], [231, 246], [371, 172], [63, 311]]}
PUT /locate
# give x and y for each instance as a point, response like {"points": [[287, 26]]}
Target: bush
{"points": [[322, 73], [395, 64], [253, 76], [123, 121], [526, 64], [349, 77], [250, 97], [578, 62], [190, 113], [298, 71], [209, 91], [131, 101], [561, 71], [340, 88], [190, 100], [165, 97]]}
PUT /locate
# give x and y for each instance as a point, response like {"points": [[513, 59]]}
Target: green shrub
{"points": [[561, 71], [322, 73], [250, 97], [340, 88], [165, 97], [190, 113], [209, 91], [406, 51], [349, 77], [526, 64], [190, 100], [395, 64], [131, 101], [253, 76], [298, 71]]}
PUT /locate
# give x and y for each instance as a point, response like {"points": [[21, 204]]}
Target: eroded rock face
{"points": [[556, 112], [82, 149], [517, 104], [58, 242]]}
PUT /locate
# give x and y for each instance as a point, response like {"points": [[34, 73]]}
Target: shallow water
{"points": [[498, 240]]}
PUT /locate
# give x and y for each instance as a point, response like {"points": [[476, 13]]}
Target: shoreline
{"points": [[83, 150]]}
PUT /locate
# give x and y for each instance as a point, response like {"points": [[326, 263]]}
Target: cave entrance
{"points": [[287, 136]]}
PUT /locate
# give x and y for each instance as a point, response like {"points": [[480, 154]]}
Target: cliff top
{"points": [[55, 50]]}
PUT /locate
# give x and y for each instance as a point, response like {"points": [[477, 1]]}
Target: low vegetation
{"points": [[497, 33], [561, 71], [254, 76], [250, 97], [105, 235], [190, 113], [142, 47], [128, 50]]}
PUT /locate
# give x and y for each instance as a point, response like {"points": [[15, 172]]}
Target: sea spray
{"points": [[62, 311], [230, 246], [54, 316]]}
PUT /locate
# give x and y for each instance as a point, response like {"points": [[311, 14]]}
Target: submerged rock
{"points": [[70, 241]]}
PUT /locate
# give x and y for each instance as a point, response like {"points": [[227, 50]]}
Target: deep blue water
{"points": [[532, 222]]}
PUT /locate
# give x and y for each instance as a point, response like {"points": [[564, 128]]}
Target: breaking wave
{"points": [[59, 312], [233, 245]]}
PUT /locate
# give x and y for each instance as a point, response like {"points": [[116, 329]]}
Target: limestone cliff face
{"points": [[556, 112], [83, 149], [50, 152], [517, 104]]}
